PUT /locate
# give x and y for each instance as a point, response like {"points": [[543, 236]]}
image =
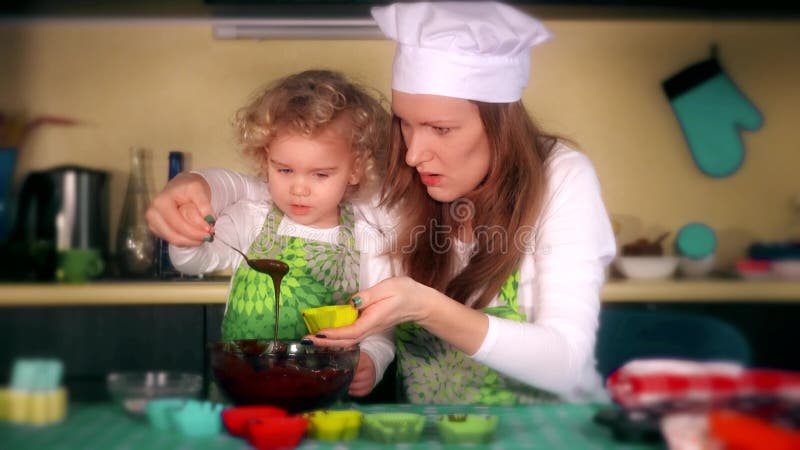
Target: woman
{"points": [[499, 231]]}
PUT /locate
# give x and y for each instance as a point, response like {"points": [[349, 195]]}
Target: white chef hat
{"points": [[470, 50]]}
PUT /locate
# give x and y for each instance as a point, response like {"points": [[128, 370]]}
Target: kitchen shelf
{"points": [[114, 293], [214, 292], [711, 290]]}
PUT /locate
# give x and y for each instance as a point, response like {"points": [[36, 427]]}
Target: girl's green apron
{"points": [[433, 371], [320, 274]]}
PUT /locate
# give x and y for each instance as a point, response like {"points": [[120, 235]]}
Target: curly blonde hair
{"points": [[306, 103]]}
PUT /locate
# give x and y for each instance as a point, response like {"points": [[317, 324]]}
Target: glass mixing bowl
{"points": [[132, 390], [286, 374]]}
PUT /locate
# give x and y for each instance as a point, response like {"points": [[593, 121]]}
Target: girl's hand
{"points": [[364, 379], [381, 307], [177, 213]]}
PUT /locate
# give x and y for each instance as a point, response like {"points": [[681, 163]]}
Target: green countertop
{"points": [[106, 427]]}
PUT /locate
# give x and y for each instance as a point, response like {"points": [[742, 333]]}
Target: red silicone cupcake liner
{"points": [[276, 433], [236, 419]]}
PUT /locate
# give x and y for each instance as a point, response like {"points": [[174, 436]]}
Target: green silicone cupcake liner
{"points": [[393, 427]]}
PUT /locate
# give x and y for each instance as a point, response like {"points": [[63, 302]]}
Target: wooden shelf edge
{"points": [[114, 293], [215, 292], [701, 291]]}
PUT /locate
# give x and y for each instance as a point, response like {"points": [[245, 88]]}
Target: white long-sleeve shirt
{"points": [[561, 274]]}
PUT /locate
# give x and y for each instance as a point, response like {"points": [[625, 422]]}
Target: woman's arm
{"points": [[560, 287], [559, 294], [374, 266]]}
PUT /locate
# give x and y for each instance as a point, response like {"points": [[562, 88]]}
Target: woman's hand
{"points": [[401, 299], [364, 379], [381, 307], [177, 214]]}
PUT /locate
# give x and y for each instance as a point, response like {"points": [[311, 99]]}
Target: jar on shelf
{"points": [[137, 247]]}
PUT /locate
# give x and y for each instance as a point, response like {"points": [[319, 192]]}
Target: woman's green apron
{"points": [[320, 274], [433, 371]]}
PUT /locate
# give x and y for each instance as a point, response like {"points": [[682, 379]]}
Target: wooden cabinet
{"points": [[95, 340], [101, 327]]}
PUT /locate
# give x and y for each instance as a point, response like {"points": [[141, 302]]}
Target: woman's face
{"points": [[446, 142]]}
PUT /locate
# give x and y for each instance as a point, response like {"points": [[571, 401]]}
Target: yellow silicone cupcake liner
{"points": [[334, 425], [329, 317]]}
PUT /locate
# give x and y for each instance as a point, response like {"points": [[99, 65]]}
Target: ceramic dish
{"points": [[466, 428], [333, 316], [787, 269], [334, 425], [393, 427], [753, 269], [647, 267]]}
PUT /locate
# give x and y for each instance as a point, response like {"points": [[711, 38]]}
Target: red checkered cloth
{"points": [[652, 382]]}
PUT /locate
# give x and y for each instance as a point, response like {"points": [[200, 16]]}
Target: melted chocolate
{"points": [[288, 375], [276, 270]]}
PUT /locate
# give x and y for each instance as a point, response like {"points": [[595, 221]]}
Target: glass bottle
{"points": [[137, 247]]}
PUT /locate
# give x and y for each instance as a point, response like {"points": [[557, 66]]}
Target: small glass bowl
{"points": [[133, 390]]}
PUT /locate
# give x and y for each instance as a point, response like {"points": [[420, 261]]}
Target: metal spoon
{"points": [[268, 266]]}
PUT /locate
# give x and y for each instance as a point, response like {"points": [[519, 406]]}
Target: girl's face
{"points": [[308, 177], [446, 142]]}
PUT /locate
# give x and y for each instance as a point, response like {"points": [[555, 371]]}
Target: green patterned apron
{"points": [[433, 371], [320, 274]]}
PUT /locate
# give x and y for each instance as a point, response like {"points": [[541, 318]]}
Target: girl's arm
{"points": [[178, 213], [228, 187], [236, 225]]}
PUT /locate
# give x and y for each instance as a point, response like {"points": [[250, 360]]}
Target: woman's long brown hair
{"points": [[506, 205]]}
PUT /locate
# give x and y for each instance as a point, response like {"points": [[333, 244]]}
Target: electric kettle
{"points": [[59, 209]]}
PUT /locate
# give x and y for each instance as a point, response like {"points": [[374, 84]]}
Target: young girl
{"points": [[315, 138], [501, 230]]}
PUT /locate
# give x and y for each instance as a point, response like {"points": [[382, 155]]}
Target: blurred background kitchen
{"points": [[164, 79]]}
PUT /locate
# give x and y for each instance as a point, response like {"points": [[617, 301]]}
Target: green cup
{"points": [[79, 265]]}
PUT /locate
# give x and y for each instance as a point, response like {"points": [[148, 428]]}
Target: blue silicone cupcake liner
{"points": [[160, 412], [198, 418]]}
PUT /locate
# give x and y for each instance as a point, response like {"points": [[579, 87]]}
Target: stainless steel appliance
{"points": [[58, 209]]}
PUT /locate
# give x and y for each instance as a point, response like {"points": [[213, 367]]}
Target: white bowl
{"points": [[647, 267], [788, 269]]}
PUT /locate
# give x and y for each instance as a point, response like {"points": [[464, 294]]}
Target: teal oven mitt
{"points": [[711, 111]]}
